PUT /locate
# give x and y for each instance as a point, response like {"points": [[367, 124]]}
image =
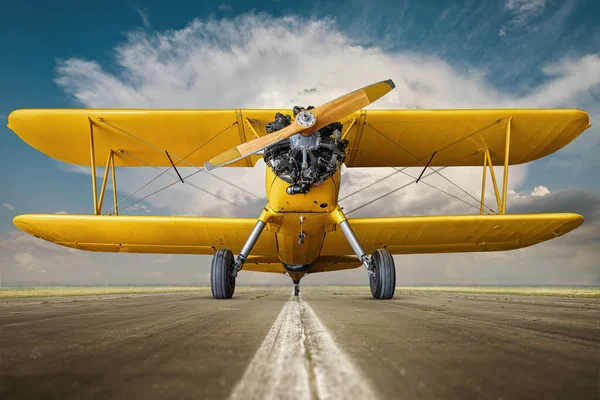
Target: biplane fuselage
{"points": [[309, 213]]}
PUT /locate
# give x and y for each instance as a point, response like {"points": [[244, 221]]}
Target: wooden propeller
{"points": [[307, 122]]}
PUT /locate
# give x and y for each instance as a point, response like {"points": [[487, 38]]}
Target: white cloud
{"points": [[9, 206], [163, 258], [521, 13], [524, 10], [142, 12], [225, 7], [24, 259], [540, 191], [61, 212], [28, 262], [213, 64], [154, 276], [21, 253], [572, 81]]}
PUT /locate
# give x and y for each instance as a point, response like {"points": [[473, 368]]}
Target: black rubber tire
{"points": [[222, 283], [383, 281], [296, 290]]}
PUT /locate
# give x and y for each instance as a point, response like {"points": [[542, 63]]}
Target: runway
{"points": [[331, 343]]}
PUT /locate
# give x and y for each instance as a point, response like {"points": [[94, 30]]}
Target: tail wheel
{"points": [[222, 282], [383, 279]]}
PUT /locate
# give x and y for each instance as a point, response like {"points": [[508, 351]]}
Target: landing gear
{"points": [[222, 278], [296, 288], [380, 266], [383, 278], [225, 269]]}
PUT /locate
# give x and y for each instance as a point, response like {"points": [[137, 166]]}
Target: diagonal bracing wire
{"points": [[420, 179], [415, 181], [410, 183], [186, 182], [372, 184], [389, 193], [180, 159], [168, 186], [417, 160], [156, 191], [442, 149]]}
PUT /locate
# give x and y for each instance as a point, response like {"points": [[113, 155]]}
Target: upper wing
{"points": [[399, 138], [458, 136], [64, 134], [452, 234], [171, 235]]}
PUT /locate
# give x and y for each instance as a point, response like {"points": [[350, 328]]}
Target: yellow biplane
{"points": [[301, 229]]}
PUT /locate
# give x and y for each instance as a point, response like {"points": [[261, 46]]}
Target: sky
{"points": [[271, 54]]}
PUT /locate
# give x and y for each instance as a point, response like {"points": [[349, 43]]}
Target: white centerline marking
{"points": [[300, 360]]}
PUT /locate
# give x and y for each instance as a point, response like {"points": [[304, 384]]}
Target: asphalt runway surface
{"points": [[331, 343]]}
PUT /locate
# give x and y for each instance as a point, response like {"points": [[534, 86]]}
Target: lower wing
{"points": [[200, 235], [167, 235], [452, 234]]}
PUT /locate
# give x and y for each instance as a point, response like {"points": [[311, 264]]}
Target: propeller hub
{"points": [[306, 119]]}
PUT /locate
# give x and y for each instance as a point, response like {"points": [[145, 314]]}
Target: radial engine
{"points": [[305, 161]]}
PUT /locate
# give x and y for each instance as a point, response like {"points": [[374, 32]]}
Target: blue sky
{"points": [[526, 53]]}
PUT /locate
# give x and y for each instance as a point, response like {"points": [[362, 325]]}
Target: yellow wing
{"points": [[167, 235], [125, 234], [452, 234], [458, 136], [199, 235], [144, 135], [399, 138]]}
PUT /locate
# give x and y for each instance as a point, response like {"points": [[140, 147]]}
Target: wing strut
{"points": [[506, 151], [173, 164], [110, 164], [180, 159], [167, 186], [417, 160], [487, 162]]}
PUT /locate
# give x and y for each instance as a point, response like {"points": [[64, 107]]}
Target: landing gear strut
{"points": [[380, 266]]}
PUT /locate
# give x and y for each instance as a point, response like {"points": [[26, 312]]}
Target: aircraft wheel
{"points": [[222, 283], [383, 280]]}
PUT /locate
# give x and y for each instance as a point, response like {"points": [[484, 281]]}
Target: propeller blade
{"points": [[248, 148], [349, 103], [325, 114]]}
